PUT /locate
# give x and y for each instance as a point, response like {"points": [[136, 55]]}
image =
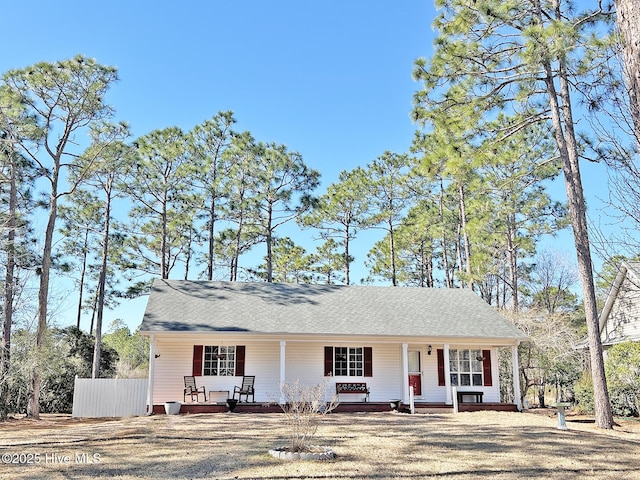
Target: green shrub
{"points": [[622, 367], [583, 394]]}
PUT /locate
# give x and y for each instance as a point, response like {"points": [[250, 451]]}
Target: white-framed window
{"points": [[466, 367], [219, 360], [348, 361]]}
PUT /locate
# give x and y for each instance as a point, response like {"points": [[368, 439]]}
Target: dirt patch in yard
{"points": [[495, 445]]}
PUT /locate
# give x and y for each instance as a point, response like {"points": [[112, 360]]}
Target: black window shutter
{"points": [[196, 369], [440, 355], [486, 368], [368, 362], [240, 355], [328, 361]]}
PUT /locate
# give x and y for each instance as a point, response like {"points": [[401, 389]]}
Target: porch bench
{"points": [[476, 395], [353, 387]]}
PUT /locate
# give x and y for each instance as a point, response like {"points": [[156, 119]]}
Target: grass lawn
{"points": [[495, 445]]}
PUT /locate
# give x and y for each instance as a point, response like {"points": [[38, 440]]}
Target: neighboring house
{"points": [[389, 337], [620, 317]]}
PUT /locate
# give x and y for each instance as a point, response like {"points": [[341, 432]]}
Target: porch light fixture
{"points": [[429, 350], [480, 358]]}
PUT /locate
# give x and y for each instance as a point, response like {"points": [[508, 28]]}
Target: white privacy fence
{"points": [[109, 397]]}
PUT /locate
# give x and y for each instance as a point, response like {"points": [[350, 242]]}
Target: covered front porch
{"points": [[425, 370]]}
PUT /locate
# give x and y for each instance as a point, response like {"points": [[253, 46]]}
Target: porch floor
{"points": [[344, 407]]}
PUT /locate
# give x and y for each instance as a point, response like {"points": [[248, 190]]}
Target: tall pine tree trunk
{"points": [[465, 235], [269, 240], [628, 21], [513, 261], [33, 409], [347, 266], [102, 280], [83, 272], [9, 286], [211, 234], [445, 256], [562, 120]]}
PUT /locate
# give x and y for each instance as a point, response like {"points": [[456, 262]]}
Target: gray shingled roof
{"points": [[271, 308]]}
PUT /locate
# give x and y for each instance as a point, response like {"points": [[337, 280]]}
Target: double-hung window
{"points": [[348, 361], [466, 367], [219, 360]]}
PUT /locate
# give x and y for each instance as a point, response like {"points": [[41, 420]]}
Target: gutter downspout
{"points": [[152, 365]]}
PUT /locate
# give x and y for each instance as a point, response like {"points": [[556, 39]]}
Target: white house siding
{"points": [[435, 393], [176, 361], [624, 319], [304, 362]]}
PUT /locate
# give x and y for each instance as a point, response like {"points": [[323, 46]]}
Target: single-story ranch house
{"points": [[389, 338]]}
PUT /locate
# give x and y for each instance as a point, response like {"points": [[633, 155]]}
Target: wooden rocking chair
{"points": [[191, 389], [245, 389]]}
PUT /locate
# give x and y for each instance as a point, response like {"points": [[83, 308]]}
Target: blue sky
{"points": [[329, 79]]}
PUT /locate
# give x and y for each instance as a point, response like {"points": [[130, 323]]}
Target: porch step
{"points": [[344, 407]]}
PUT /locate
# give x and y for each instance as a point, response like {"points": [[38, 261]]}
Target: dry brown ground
{"points": [[496, 445]]}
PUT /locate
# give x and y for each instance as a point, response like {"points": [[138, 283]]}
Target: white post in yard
{"points": [[152, 364], [447, 376], [405, 373], [412, 405], [516, 376], [283, 372], [455, 399]]}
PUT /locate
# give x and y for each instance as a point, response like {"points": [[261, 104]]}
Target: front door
{"points": [[415, 372]]}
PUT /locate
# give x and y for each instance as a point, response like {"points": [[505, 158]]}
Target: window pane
{"points": [[464, 354], [210, 361], [453, 360], [228, 362], [477, 379], [356, 357], [465, 379], [476, 364], [340, 361], [465, 366], [454, 379]]}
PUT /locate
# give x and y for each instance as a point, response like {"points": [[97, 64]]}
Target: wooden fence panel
{"points": [[110, 397]]}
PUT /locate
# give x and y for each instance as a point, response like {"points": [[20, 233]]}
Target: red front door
{"points": [[415, 374], [415, 381]]}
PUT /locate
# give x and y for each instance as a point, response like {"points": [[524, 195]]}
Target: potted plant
{"points": [[231, 404], [172, 408]]}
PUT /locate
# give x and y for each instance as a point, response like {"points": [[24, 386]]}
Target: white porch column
{"points": [[152, 365], [447, 376], [283, 369], [405, 373], [516, 376]]}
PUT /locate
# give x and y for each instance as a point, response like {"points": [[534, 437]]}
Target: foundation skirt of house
{"points": [[344, 407]]}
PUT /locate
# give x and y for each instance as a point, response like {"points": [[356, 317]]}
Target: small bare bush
{"points": [[304, 407]]}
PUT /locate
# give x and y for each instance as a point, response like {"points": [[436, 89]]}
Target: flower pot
{"points": [[172, 408], [231, 404]]}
